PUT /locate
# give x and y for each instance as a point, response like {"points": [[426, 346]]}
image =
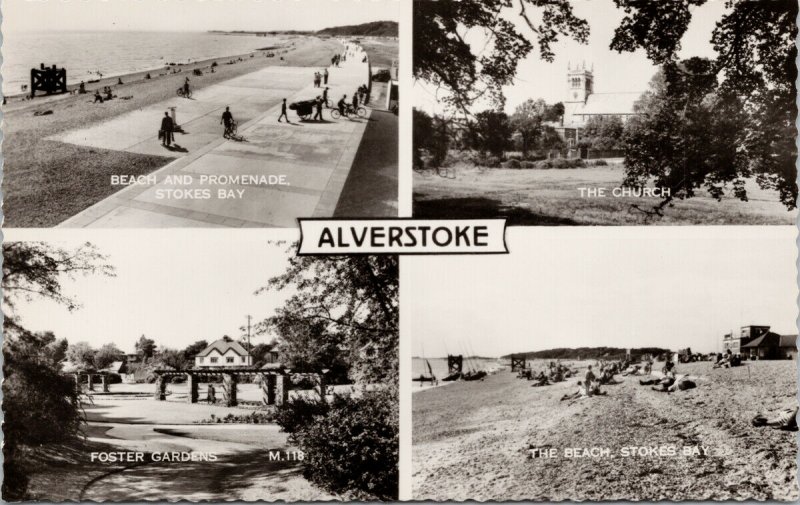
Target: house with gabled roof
{"points": [[224, 352]]}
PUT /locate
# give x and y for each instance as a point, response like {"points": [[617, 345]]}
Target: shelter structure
{"points": [[275, 383], [518, 362], [50, 80], [455, 364]]}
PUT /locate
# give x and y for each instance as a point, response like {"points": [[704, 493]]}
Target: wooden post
{"points": [[192, 380], [161, 388], [229, 389], [104, 382], [78, 382], [268, 382], [282, 389], [91, 382], [323, 386]]}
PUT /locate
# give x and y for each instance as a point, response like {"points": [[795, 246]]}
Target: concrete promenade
{"points": [[311, 160]]}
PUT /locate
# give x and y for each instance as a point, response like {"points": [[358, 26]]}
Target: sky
{"points": [[193, 15], [613, 71], [174, 288], [670, 287]]}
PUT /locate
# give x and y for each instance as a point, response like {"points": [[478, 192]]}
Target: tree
{"points": [[174, 359], [604, 133], [145, 347], [40, 404], [468, 72], [491, 132], [81, 354], [686, 136], [529, 118], [193, 350], [106, 355], [37, 270], [351, 300], [431, 139]]}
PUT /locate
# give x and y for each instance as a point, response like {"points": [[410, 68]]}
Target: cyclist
{"points": [[343, 106], [186, 87], [227, 120]]}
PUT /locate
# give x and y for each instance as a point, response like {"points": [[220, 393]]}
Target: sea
{"points": [[439, 366], [85, 55]]}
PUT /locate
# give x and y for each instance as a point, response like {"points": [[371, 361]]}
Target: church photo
{"points": [[588, 113]]}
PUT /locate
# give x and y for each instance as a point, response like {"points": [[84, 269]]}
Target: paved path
{"points": [[312, 158]]}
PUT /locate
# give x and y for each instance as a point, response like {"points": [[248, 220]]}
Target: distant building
{"points": [[582, 103], [224, 352], [770, 345], [747, 334]]}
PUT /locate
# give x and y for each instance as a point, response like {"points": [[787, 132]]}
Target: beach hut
{"points": [[770, 345]]}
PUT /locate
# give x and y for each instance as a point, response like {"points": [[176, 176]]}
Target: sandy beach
{"points": [[46, 181], [471, 441]]}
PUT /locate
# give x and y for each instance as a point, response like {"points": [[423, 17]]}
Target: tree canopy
{"points": [[346, 305]]}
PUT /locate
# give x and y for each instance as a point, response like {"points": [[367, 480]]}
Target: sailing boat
{"points": [[427, 378]]}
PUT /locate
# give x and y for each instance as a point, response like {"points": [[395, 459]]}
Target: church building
{"points": [[582, 103]]}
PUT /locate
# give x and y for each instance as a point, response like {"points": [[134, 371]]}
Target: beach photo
{"points": [[138, 371], [659, 364], [173, 114], [606, 112]]}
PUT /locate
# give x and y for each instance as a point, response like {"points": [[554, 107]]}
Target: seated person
{"points": [[580, 393], [785, 419]]}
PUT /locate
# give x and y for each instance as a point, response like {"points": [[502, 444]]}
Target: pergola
{"points": [[90, 375], [275, 383]]}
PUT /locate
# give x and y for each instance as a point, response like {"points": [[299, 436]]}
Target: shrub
{"points": [[600, 163], [529, 164], [354, 446], [298, 413], [559, 163], [544, 164], [512, 163]]}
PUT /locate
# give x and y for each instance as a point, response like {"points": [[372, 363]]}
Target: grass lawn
{"points": [[552, 197]]}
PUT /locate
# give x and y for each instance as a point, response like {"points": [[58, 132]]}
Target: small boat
{"points": [[426, 378], [452, 377], [474, 376]]}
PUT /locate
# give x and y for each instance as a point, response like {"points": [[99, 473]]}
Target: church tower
{"points": [[580, 83]]}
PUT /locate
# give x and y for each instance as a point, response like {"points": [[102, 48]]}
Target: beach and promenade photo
{"points": [[656, 365], [142, 371], [176, 114], [605, 112]]}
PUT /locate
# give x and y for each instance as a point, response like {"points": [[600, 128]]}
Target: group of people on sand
{"points": [[589, 386], [321, 78], [108, 94], [727, 360]]}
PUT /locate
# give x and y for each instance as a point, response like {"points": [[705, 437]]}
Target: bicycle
{"points": [[184, 94], [230, 130], [348, 111]]}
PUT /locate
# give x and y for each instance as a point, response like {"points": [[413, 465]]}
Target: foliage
{"points": [[590, 353], [172, 358], [193, 350], [40, 404], [106, 355], [254, 417], [604, 133], [145, 347], [382, 75], [350, 446], [527, 121], [686, 136], [350, 302], [37, 270], [490, 132], [431, 139], [444, 56]]}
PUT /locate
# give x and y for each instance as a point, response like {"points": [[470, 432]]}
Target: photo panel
{"points": [[607, 364], [605, 112], [144, 371], [185, 114]]}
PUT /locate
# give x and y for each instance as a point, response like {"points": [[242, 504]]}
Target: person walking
{"points": [[227, 120], [325, 77], [355, 102], [325, 96], [318, 104], [283, 112], [166, 130]]}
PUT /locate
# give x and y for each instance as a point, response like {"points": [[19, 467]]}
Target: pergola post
{"points": [[282, 389], [78, 382], [193, 381], [161, 388], [229, 389], [268, 389], [91, 382], [323, 386], [104, 382]]}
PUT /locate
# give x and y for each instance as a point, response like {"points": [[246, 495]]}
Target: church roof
{"points": [[610, 103]]}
